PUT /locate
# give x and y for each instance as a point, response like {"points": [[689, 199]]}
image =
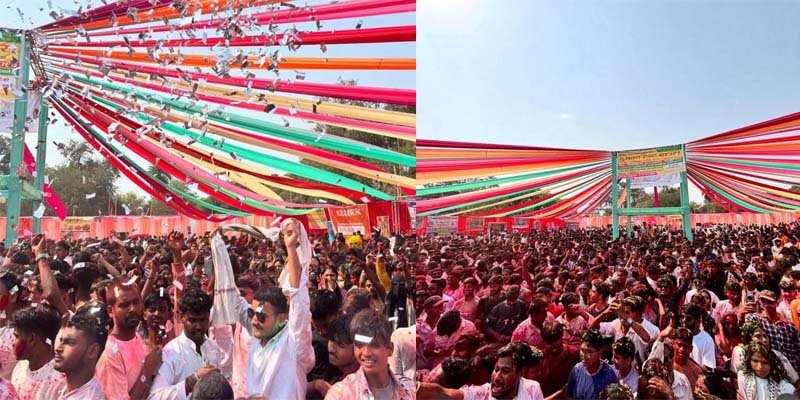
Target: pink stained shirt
{"points": [[355, 386], [446, 344], [7, 390], [467, 308], [42, 384], [529, 333], [121, 362], [90, 390]]}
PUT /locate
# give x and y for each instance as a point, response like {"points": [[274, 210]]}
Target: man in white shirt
{"points": [[703, 351], [190, 356], [80, 345], [733, 290], [281, 354], [631, 323], [507, 379]]}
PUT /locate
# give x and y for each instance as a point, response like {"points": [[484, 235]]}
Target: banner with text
{"points": [[660, 166], [351, 219], [443, 225]]}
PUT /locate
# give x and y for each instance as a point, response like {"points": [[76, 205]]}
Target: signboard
{"points": [[474, 223], [660, 166], [519, 223], [316, 220], [572, 225], [350, 219], [443, 226], [76, 224], [495, 228]]}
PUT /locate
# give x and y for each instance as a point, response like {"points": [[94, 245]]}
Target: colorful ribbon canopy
{"points": [[751, 169], [214, 95]]}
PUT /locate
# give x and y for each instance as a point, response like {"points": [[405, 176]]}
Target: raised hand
{"points": [[38, 244], [291, 234]]}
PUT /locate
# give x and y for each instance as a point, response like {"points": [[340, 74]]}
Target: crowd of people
{"points": [[245, 314], [573, 314]]}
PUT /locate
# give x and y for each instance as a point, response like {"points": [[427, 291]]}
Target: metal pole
{"points": [[687, 221], [17, 144], [41, 153], [628, 202], [614, 195]]}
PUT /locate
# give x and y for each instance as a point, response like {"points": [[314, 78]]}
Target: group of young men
{"points": [[166, 324]]}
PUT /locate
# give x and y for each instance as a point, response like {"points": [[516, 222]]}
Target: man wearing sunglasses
{"points": [[281, 354]]}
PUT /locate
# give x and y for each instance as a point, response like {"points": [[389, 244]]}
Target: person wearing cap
{"points": [[427, 321], [783, 335]]}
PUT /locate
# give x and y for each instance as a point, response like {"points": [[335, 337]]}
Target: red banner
{"points": [[351, 219]]}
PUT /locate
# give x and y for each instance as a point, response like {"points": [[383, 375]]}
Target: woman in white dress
{"points": [[763, 377]]}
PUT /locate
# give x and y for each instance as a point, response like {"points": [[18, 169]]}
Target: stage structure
{"points": [[661, 166]]}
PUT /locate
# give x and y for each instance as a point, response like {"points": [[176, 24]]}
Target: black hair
{"points": [[86, 276], [60, 266], [248, 281], [20, 258], [63, 244], [455, 372], [339, 331], [81, 256], [694, 311], [274, 296], [195, 302], [356, 300], [324, 303], [448, 323], [593, 338], [521, 354], [10, 280], [212, 386], [552, 331], [42, 320], [372, 324], [93, 320], [538, 305], [624, 346], [636, 303], [602, 287], [67, 284], [154, 299]]}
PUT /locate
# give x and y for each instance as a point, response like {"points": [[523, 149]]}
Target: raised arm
{"points": [[49, 283], [291, 236]]}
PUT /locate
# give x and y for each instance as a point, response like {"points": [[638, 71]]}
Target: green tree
{"points": [[135, 203], [157, 207], [85, 183]]}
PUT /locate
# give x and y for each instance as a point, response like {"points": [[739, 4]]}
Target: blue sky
{"points": [[608, 75], [397, 79]]}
